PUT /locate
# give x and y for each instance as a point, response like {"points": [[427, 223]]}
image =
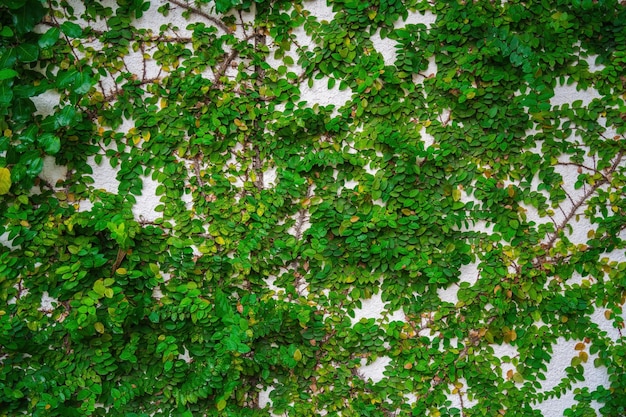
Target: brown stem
{"points": [[583, 199], [207, 16]]}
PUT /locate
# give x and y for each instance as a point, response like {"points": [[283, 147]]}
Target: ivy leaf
{"points": [[71, 29], [27, 52], [23, 110], [7, 73], [222, 6], [65, 117], [7, 58], [83, 83], [27, 15], [6, 93], [5, 181], [51, 144], [49, 38], [34, 167], [6, 32]]}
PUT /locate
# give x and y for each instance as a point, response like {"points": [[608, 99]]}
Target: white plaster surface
{"points": [[375, 308], [374, 370]]}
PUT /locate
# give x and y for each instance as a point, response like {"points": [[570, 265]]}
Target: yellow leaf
{"points": [[5, 181], [121, 271], [510, 336], [220, 240], [511, 191], [146, 136], [354, 219], [221, 404], [99, 327], [456, 194], [297, 355], [579, 346], [584, 356]]}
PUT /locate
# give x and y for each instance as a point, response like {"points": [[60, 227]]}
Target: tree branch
{"points": [[583, 199], [207, 16]]}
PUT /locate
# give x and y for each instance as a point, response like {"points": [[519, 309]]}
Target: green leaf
{"points": [[51, 144], [7, 73], [34, 167], [27, 52], [8, 58], [6, 32], [27, 15], [23, 110], [65, 117], [71, 29], [222, 6], [65, 78], [6, 93], [83, 83], [83, 394], [5, 181], [49, 38]]}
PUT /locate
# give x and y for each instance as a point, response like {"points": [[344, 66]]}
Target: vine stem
{"points": [[207, 16], [583, 199]]}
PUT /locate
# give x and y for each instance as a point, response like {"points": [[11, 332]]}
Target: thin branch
{"points": [[595, 171], [120, 90], [583, 199], [207, 16], [229, 59]]}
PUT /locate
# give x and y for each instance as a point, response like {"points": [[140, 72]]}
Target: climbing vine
{"points": [[452, 185]]}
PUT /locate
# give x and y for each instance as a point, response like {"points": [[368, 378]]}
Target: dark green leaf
{"points": [[71, 29], [6, 93], [50, 143], [65, 117], [8, 58], [34, 166], [23, 110], [49, 38], [6, 32], [7, 73], [27, 52], [27, 15]]}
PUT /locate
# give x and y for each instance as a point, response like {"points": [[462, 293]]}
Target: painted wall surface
{"points": [[105, 178]]}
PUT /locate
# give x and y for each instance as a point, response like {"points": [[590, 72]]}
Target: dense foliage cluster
{"points": [[278, 217]]}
